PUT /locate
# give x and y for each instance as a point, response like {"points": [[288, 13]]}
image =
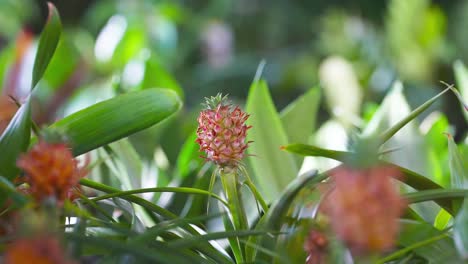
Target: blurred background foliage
{"points": [[354, 50]]}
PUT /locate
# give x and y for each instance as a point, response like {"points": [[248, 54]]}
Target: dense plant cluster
{"points": [[128, 174]]}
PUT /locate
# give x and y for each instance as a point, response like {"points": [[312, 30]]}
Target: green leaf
{"points": [[157, 76], [8, 189], [385, 136], [118, 117], [273, 168], [461, 75], [15, 140], [309, 150], [411, 178], [460, 230], [426, 241], [459, 176], [299, 117], [458, 165], [48, 41], [442, 219], [160, 254], [273, 219], [189, 156], [160, 189]]}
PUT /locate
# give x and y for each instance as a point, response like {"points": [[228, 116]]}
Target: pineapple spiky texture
{"points": [[51, 171], [364, 206], [222, 132]]}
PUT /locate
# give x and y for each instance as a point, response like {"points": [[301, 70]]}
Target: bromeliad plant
{"points": [[369, 207]]}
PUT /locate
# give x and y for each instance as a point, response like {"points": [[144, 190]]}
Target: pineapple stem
{"points": [[231, 186]]}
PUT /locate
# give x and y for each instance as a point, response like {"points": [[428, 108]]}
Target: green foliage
{"points": [[117, 118], [273, 169], [123, 86]]}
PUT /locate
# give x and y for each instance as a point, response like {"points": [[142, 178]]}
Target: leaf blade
{"points": [[48, 41], [117, 117]]}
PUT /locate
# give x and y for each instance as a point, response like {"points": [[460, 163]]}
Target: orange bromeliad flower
{"points": [[38, 250], [364, 207], [221, 132], [51, 171]]}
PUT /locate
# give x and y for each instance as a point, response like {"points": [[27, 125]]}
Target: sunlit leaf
{"points": [[299, 117], [113, 119], [15, 140], [273, 168], [426, 241], [461, 75], [459, 176], [48, 41]]}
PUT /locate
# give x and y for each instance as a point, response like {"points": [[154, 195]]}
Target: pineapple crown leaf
{"points": [[213, 101]]}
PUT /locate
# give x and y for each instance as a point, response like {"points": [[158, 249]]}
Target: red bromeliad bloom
{"points": [[221, 134], [38, 250], [51, 171], [364, 207]]}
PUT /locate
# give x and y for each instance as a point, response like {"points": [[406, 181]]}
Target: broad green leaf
{"points": [[118, 117], [442, 219], [189, 156], [48, 41], [391, 123], [143, 253], [299, 117], [273, 219], [390, 132], [8, 190], [460, 230], [7, 56], [437, 147], [411, 178], [461, 75], [273, 168], [458, 165], [426, 241], [309, 150], [157, 76], [459, 176], [63, 64], [15, 140]]}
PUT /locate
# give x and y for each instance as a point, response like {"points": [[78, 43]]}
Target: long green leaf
{"points": [[459, 179], [275, 215], [162, 254], [161, 189], [385, 136], [15, 140], [411, 178], [427, 242], [430, 195], [273, 169], [309, 150], [458, 165], [299, 117], [48, 41], [461, 75], [113, 119], [191, 241]]}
